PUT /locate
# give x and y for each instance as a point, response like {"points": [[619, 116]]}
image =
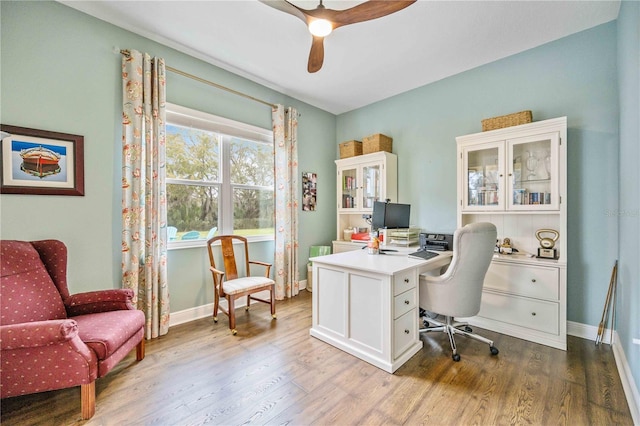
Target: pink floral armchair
{"points": [[53, 340]]}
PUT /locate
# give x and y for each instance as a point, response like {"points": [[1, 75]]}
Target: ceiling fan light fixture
{"points": [[320, 27]]}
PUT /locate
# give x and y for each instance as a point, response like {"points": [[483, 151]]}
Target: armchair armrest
{"points": [[217, 276], [99, 301], [265, 264], [37, 334]]}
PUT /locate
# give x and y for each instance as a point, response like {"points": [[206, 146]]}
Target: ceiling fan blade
{"points": [[363, 12], [316, 56], [287, 7]]}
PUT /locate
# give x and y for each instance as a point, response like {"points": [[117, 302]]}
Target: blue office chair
{"points": [[458, 292], [191, 235]]}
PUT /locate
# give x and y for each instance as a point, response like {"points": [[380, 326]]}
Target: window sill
{"points": [[187, 244]]}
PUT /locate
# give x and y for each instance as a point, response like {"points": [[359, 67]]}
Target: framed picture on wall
{"points": [[41, 162], [309, 194]]}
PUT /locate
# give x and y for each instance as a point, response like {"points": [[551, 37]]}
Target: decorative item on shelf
{"points": [[532, 164], [375, 143], [505, 247], [347, 233], [350, 149], [508, 120], [547, 244]]}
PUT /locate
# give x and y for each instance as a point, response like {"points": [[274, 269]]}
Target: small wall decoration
{"points": [[309, 181], [41, 162]]}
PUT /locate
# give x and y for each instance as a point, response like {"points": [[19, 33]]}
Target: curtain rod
{"points": [[210, 83]]}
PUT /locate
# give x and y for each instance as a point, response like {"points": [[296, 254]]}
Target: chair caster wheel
{"points": [[494, 350], [215, 319], [455, 357], [468, 329], [274, 316], [234, 331]]}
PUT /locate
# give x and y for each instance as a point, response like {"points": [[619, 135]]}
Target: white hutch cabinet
{"points": [[516, 179], [361, 180]]}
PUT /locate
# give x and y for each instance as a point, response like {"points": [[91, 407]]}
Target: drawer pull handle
{"points": [[406, 302], [533, 280], [406, 331], [406, 280], [533, 314]]}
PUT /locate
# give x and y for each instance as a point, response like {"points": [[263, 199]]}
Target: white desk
{"points": [[367, 305]]}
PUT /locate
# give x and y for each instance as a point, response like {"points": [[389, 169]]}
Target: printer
{"points": [[436, 242]]}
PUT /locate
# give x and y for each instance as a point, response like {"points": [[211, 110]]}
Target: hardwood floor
{"points": [[273, 372]]}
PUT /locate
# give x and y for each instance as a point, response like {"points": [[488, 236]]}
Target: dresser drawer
{"points": [[403, 281], [404, 302], [535, 314], [405, 332], [524, 280]]}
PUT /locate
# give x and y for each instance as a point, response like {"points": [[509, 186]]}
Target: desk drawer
{"points": [[524, 280], [530, 313], [403, 281], [405, 332], [404, 302]]}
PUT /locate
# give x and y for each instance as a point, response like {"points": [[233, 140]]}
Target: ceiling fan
{"points": [[321, 21]]}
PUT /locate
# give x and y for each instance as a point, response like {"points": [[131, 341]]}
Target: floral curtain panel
{"points": [[144, 206], [285, 132]]}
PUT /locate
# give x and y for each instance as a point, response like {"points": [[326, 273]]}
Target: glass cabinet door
{"points": [[483, 177], [349, 191], [371, 185], [533, 172]]}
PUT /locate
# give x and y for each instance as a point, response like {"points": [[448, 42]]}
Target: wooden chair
{"points": [[230, 285]]}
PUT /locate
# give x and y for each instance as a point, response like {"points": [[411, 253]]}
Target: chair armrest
{"points": [[92, 302], [265, 264], [38, 333]]}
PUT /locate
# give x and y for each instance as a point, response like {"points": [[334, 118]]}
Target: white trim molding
{"points": [[628, 382]]}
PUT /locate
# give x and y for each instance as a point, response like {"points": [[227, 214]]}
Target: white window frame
{"points": [[227, 128]]}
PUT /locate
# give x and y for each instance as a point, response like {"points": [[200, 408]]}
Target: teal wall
{"points": [[574, 77], [59, 73], [628, 312]]}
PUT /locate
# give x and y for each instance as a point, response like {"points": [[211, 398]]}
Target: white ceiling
{"points": [[364, 62]]}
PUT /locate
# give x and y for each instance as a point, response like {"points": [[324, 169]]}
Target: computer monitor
{"points": [[377, 217], [390, 215], [397, 215]]}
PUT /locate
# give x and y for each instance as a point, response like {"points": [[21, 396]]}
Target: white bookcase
{"points": [[516, 179], [362, 180]]}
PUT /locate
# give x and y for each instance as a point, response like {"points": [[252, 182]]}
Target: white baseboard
{"points": [[588, 332], [203, 311], [191, 314], [628, 382]]}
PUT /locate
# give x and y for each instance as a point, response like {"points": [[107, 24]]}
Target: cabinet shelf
{"points": [[526, 181]]}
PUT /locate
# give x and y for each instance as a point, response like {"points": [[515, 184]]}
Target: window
{"points": [[219, 177]]}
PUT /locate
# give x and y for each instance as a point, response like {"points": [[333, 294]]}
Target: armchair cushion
{"points": [[240, 285], [28, 293], [106, 332]]}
